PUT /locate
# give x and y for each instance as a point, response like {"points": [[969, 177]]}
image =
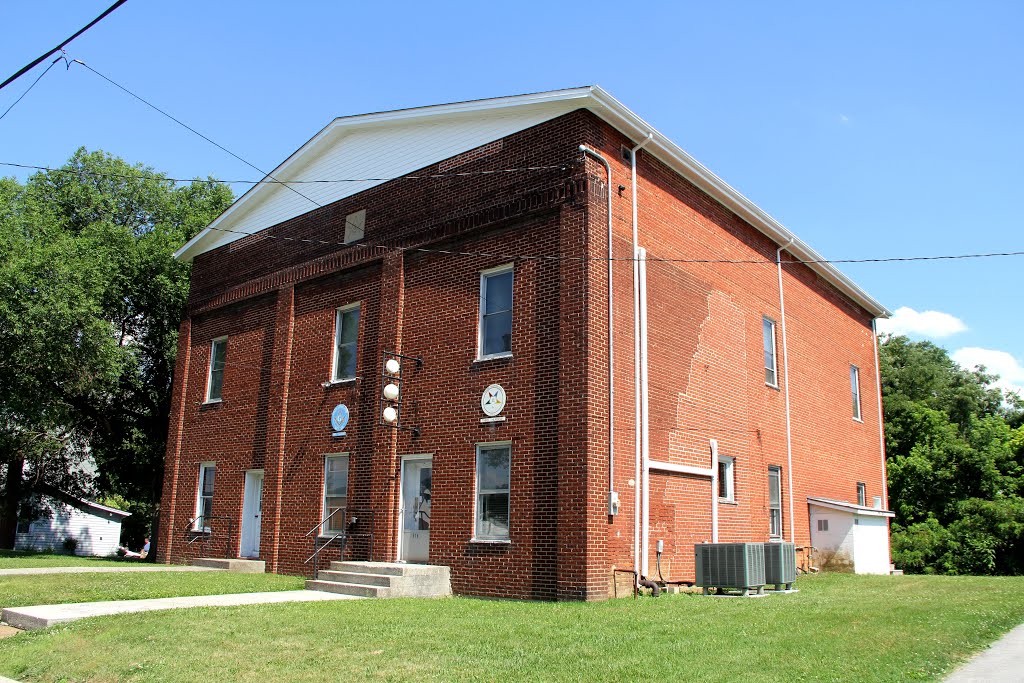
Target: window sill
{"points": [[339, 382], [775, 539], [212, 401], [728, 501], [858, 420], [493, 356], [772, 386], [491, 541]]}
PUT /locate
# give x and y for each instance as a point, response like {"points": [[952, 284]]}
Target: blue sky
{"points": [[871, 129]]}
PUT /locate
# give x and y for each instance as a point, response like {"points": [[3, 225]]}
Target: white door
{"points": [[414, 513], [252, 512]]}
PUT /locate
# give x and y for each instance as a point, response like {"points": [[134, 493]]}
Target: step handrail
{"points": [[198, 529]]}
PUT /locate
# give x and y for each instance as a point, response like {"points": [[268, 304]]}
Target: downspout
{"points": [[785, 370], [612, 495], [645, 451], [881, 426], [714, 490], [636, 359]]}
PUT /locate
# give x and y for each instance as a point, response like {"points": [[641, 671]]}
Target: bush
{"points": [[71, 544]]}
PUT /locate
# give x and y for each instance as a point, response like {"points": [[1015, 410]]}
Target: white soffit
{"points": [[391, 144], [850, 508]]}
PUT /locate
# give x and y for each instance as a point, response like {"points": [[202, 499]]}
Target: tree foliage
{"points": [[955, 454], [90, 302]]}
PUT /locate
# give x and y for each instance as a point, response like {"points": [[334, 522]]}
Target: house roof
{"points": [[373, 148], [849, 507], [88, 505]]}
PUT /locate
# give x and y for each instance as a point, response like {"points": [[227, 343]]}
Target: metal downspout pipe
{"points": [[611, 343], [785, 370], [640, 548]]}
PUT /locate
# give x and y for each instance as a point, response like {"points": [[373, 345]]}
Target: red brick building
{"points": [[702, 390]]}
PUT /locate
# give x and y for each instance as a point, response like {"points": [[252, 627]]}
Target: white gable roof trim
{"points": [[504, 116], [843, 506]]}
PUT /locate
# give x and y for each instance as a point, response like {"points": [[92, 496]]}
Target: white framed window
{"points": [[204, 495], [771, 373], [862, 493], [355, 226], [726, 478], [346, 338], [855, 390], [215, 379], [496, 312], [493, 470], [335, 493], [775, 501]]}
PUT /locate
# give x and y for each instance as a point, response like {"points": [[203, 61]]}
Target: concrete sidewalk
{"points": [[126, 568], [41, 616], [1003, 662]]}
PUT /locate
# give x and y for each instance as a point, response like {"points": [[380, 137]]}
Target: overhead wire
{"points": [[29, 89]]}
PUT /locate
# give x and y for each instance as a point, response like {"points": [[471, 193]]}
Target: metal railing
{"points": [[352, 524], [203, 528]]}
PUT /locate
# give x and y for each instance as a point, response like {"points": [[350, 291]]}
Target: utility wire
{"points": [[31, 86], [272, 181], [655, 259], [75, 35], [190, 128]]}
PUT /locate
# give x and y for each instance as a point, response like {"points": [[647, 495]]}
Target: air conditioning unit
{"points": [[737, 566], [780, 565]]}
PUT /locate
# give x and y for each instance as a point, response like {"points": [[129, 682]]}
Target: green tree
{"points": [[955, 453], [90, 301]]}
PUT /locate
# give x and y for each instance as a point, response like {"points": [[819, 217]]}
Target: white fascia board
{"points": [[849, 507]]}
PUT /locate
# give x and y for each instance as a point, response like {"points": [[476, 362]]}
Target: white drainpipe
{"points": [[785, 370], [645, 451], [637, 434], [881, 428], [611, 336], [711, 473]]}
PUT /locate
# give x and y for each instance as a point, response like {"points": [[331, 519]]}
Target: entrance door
{"points": [[252, 512], [414, 513]]}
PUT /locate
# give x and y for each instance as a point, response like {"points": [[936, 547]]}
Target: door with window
{"points": [[414, 513], [252, 514]]}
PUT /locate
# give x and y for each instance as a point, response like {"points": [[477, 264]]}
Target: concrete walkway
{"points": [[1003, 662], [41, 616], [126, 568]]}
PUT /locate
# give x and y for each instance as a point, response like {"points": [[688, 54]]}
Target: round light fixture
{"points": [[391, 391], [390, 414], [392, 366]]}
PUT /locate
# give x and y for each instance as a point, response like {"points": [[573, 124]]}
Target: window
{"points": [[862, 494], [24, 526], [855, 390], [218, 354], [775, 501], [726, 478], [346, 335], [492, 488], [335, 493], [822, 525], [355, 226], [204, 498], [496, 312], [771, 375]]}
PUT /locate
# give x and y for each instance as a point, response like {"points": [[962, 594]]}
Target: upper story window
{"points": [[726, 478], [855, 390], [496, 312], [215, 380], [355, 226], [346, 336], [771, 374], [862, 493], [335, 493]]}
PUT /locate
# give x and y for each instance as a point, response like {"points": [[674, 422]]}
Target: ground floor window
{"points": [[726, 478], [335, 492], [493, 468], [775, 501], [204, 497]]}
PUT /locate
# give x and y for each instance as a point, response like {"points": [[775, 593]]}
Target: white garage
{"points": [[849, 537]]}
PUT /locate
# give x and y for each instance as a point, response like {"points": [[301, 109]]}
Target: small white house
{"points": [[850, 537], [97, 528]]}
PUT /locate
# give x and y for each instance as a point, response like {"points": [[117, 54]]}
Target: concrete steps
{"points": [[232, 565], [384, 580]]}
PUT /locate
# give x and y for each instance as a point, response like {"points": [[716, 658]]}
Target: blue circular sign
{"points": [[339, 417]]}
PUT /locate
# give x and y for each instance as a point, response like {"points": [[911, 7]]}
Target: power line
{"points": [[39, 78], [273, 181], [75, 35], [654, 259], [190, 128]]}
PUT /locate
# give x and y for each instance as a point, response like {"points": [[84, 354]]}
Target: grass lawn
{"points": [[50, 589], [838, 627], [15, 559]]}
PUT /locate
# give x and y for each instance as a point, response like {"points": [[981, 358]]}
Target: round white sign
{"points": [[493, 400]]}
